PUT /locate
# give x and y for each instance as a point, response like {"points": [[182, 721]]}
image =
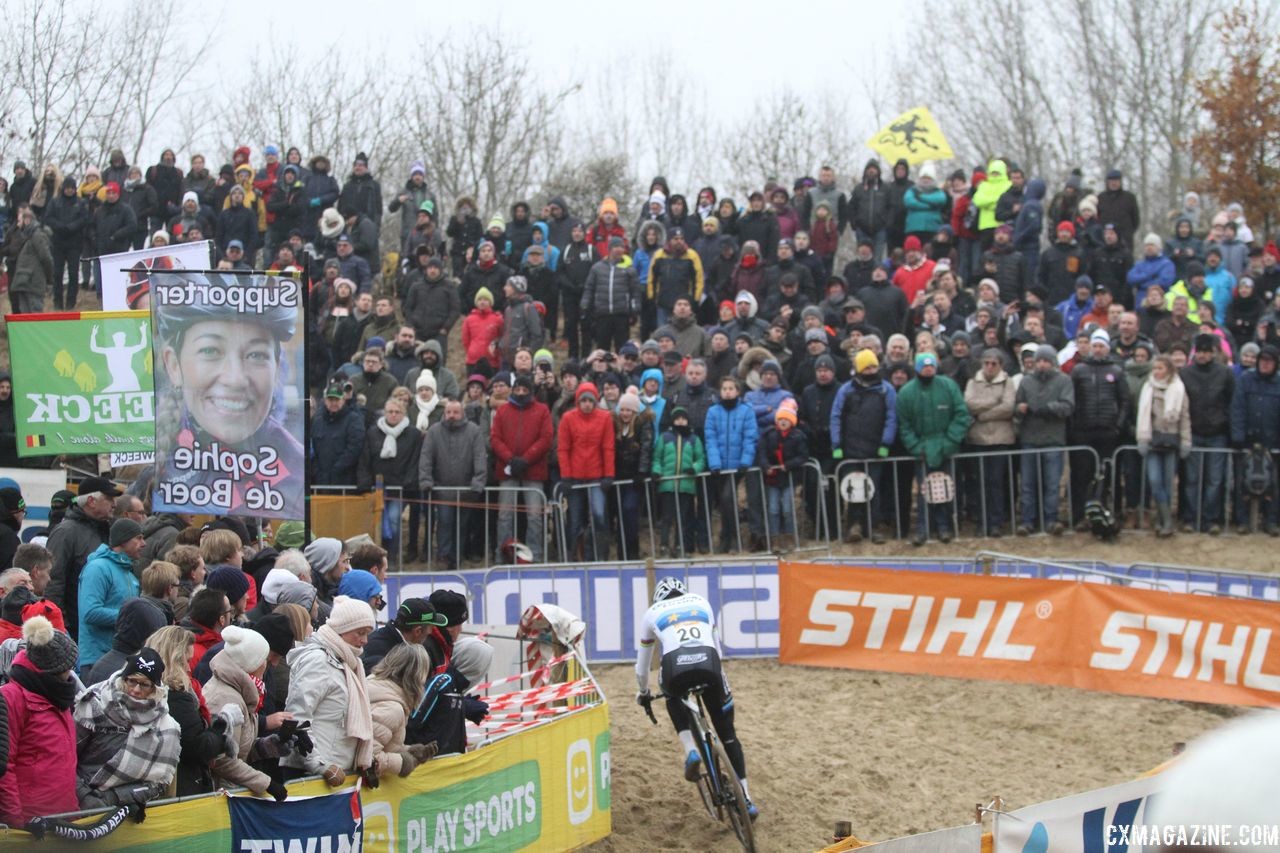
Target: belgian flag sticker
{"points": [[36, 441]]}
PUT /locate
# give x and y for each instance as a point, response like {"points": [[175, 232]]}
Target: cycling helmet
{"points": [[668, 588], [173, 320]]}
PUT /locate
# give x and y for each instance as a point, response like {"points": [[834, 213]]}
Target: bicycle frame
{"points": [[721, 792]]}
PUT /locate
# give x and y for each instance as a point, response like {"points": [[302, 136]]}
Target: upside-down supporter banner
{"points": [[1093, 636], [229, 393], [126, 276], [82, 382], [547, 789], [334, 823]]}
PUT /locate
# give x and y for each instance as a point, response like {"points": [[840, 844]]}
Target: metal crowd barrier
{"points": [[971, 473], [988, 495], [1189, 492]]}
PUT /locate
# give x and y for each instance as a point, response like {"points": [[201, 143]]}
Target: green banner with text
{"points": [[82, 382]]}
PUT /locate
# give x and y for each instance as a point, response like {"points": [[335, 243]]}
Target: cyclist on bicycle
{"points": [[683, 623]]}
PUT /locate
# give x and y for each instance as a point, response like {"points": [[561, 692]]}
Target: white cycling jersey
{"points": [[674, 623]]}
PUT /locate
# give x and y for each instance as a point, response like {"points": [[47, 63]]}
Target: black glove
{"points": [[474, 709], [278, 791], [272, 746], [302, 741], [519, 467]]}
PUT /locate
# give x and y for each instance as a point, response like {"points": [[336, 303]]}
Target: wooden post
{"points": [[843, 829]]}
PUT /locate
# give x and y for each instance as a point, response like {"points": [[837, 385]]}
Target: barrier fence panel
{"points": [[1204, 492], [753, 510], [612, 598]]}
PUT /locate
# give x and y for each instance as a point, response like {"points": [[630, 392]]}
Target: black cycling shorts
{"points": [[689, 666]]}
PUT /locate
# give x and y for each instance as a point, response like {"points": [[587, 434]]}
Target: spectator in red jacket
{"points": [[521, 443], [914, 275], [605, 228], [586, 449], [208, 613], [41, 748], [481, 332]]}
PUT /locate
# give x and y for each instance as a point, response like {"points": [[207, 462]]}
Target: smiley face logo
{"points": [[579, 781]]}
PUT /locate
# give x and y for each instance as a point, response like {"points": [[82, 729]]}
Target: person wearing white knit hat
{"points": [[327, 688], [232, 694]]}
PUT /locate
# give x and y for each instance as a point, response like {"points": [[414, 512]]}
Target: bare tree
{"points": [[64, 81], [1090, 83], [158, 72], [331, 109], [584, 184], [483, 124], [787, 136]]}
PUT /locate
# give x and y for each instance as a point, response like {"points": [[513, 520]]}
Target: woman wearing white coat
{"points": [[1163, 434], [327, 688]]}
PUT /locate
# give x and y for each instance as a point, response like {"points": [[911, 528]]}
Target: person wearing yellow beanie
{"points": [[865, 359]]}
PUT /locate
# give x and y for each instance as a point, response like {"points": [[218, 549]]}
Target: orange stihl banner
{"points": [[1093, 636]]}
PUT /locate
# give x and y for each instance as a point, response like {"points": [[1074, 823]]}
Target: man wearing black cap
{"points": [[77, 536], [431, 303], [1255, 420], [415, 620], [1119, 207], [1210, 386], [337, 435], [440, 640], [675, 271]]}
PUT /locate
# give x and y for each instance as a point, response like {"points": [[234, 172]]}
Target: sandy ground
{"points": [[900, 754]]}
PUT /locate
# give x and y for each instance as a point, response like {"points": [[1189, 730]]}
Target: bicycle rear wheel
{"points": [[732, 797]]}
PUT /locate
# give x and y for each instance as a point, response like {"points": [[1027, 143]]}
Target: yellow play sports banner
{"points": [[913, 136], [546, 789]]}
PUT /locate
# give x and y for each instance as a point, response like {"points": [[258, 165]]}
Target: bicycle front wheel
{"points": [[732, 797]]}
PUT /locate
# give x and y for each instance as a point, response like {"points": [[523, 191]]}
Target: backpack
{"points": [[1102, 522], [1259, 471], [971, 214]]}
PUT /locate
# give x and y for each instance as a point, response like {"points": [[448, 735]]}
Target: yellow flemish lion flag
{"points": [[913, 136]]}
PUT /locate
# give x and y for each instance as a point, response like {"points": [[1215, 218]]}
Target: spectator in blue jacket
{"points": [[1219, 283], [731, 437], [1077, 307], [764, 401], [1255, 419], [1152, 268], [106, 583], [925, 204], [1027, 227]]}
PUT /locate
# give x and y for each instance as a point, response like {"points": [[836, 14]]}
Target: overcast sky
{"points": [[731, 51]]}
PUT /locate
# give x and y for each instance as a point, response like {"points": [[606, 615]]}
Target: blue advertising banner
{"points": [[329, 824]]}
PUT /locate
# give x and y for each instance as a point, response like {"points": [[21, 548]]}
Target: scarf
{"points": [[1174, 395], [152, 741], [390, 433], [425, 410], [359, 712], [749, 261], [61, 693]]}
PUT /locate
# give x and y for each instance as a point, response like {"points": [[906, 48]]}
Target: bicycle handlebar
{"points": [[647, 703]]}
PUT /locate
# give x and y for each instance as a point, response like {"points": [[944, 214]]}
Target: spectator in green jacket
{"points": [[678, 452], [932, 423]]}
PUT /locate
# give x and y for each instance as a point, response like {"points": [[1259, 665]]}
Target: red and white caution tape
{"points": [[521, 676]]}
